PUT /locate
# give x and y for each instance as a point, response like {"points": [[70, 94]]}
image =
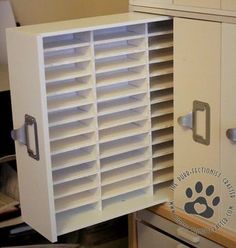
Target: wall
{"points": [[38, 11]]}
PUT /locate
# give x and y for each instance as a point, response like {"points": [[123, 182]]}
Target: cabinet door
{"points": [[199, 3], [228, 4], [228, 115], [197, 83]]}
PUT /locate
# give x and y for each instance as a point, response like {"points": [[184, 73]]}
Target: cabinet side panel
{"points": [[197, 46], [228, 119], [28, 97]]}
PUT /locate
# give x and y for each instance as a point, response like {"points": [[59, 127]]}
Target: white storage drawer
{"points": [[93, 102], [169, 227]]}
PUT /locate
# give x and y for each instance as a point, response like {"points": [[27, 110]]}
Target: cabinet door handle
{"points": [[189, 121], [22, 135], [188, 235], [231, 134]]}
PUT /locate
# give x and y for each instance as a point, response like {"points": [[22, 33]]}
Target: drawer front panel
{"points": [[215, 4], [228, 4]]}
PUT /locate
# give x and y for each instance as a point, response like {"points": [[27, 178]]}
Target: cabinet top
{"points": [[87, 24]]}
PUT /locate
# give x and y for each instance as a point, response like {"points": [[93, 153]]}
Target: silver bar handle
{"points": [[22, 136]]}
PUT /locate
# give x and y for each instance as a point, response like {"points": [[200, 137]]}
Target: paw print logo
{"points": [[200, 206]]}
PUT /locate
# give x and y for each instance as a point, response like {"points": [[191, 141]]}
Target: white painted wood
{"points": [[197, 77], [228, 5], [228, 116], [28, 93], [98, 103], [215, 4]]}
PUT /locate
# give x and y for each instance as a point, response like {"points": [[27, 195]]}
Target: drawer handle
{"points": [[188, 235], [22, 135], [231, 134], [182, 246]]}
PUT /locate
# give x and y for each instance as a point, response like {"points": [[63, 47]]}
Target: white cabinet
{"points": [[93, 117], [228, 5]]}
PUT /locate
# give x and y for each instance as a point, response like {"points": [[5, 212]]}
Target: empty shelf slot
{"points": [[162, 176], [75, 187], [161, 69], [71, 129], [125, 159], [123, 131], [65, 58], [161, 82], [119, 48], [124, 173], [71, 115], [70, 100], [123, 117], [125, 186], [74, 172], [160, 28], [158, 56], [163, 108], [120, 62], [75, 201], [160, 42], [163, 162], [68, 86], [72, 158], [66, 72], [162, 122], [72, 143], [121, 90], [122, 104], [121, 76], [163, 191], [68, 41], [124, 145], [161, 96], [119, 33], [162, 149], [161, 136]]}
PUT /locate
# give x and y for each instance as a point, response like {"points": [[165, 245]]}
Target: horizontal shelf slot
{"points": [[121, 90], [72, 143], [119, 48], [160, 28], [163, 191], [127, 172], [75, 187], [163, 162], [162, 176], [125, 159], [121, 76], [124, 131], [70, 100], [72, 158], [125, 186], [72, 129], [161, 69], [66, 72], [74, 172], [75, 201], [68, 41], [162, 149], [159, 56], [163, 108], [120, 62], [162, 96], [71, 115], [67, 57], [161, 82], [113, 106], [124, 145], [162, 122], [119, 33], [163, 135], [68, 86], [123, 117], [161, 42]]}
